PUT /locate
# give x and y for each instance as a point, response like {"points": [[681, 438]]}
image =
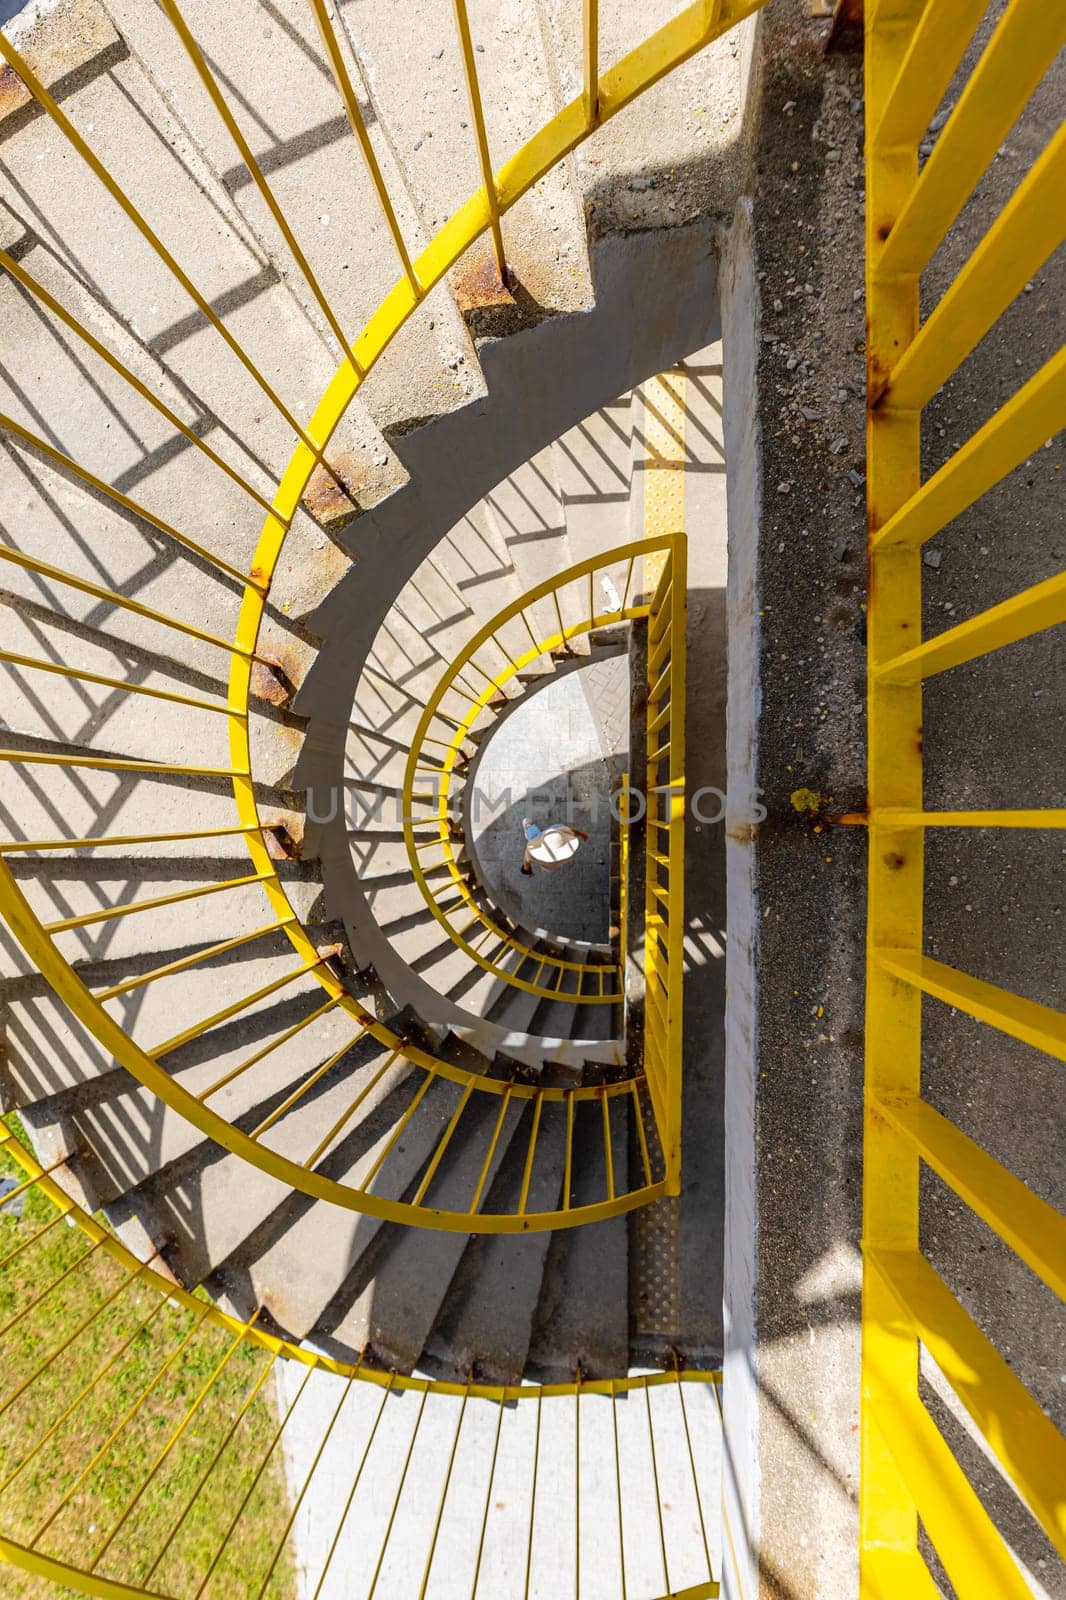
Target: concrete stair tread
{"points": [[132, 727], [431, 605], [525, 512], [319, 177], [486, 1319], [395, 1309], [478, 563], [514, 1008], [420, 941], [544, 234], [83, 803], [132, 1136], [144, 455], [91, 885], [167, 178], [209, 1202], [582, 1315], [300, 1260], [608, 167], [48, 1053]]}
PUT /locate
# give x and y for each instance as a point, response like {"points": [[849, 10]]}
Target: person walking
{"points": [[549, 847]]}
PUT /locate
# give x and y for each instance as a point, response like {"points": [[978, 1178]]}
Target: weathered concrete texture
{"points": [[793, 319], [680, 151], [431, 134]]}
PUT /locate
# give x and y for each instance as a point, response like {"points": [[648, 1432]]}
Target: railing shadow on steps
{"points": [[605, 95]]}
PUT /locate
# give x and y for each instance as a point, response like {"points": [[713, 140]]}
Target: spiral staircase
{"points": [[343, 1139], [360, 1234]]}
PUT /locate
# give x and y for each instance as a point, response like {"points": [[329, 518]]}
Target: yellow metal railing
{"points": [[277, 1145], [146, 1440], [624, 824], [910, 1477], [664, 857], [573, 598], [154, 1468]]}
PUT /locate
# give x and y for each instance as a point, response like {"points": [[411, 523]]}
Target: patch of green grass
{"points": [[131, 1429]]}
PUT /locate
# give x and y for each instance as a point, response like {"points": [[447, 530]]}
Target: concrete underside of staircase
{"points": [[542, 384]]}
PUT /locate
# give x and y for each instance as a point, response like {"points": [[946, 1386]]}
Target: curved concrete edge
{"points": [[498, 892], [541, 382], [537, 1050]]}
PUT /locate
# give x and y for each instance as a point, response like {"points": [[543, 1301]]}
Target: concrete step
{"points": [[307, 1261], [399, 910], [418, 939], [304, 145], [479, 563], [135, 134], [428, 611], [94, 415], [393, 1310], [560, 1018], [381, 859], [207, 1204], [406, 650], [486, 1320], [525, 511], [94, 886], [593, 470], [512, 1007], [582, 1315], [53, 802], [97, 721], [433, 136], [639, 184], [47, 1053], [61, 525], [477, 538], [131, 1135], [380, 757], [392, 709]]}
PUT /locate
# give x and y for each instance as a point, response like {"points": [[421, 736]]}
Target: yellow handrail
{"points": [[476, 704], [664, 869], [910, 1478], [617, 87]]}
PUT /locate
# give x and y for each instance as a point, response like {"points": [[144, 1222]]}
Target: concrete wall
{"points": [[791, 287], [740, 1474]]}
